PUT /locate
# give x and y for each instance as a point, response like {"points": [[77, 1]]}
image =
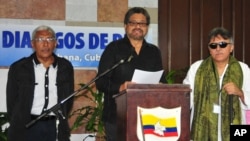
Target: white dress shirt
{"points": [[190, 78]]}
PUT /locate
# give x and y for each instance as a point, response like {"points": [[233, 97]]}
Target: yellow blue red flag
{"points": [[156, 124]]}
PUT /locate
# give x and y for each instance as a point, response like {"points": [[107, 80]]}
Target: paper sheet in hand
{"points": [[147, 77]]}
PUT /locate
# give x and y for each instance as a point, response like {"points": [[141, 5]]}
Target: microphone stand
{"points": [[55, 109]]}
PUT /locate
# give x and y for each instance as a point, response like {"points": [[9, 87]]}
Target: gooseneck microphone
{"points": [[56, 108]]}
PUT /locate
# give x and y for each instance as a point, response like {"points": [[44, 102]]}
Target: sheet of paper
{"points": [[147, 77]]}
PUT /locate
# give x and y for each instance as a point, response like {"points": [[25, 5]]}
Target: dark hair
{"points": [[224, 33], [134, 10]]}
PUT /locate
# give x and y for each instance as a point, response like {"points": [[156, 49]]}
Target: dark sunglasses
{"points": [[221, 45]]}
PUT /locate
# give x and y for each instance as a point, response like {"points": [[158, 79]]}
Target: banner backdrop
{"points": [[82, 46]]}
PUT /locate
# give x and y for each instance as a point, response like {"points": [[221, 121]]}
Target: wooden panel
{"points": [[184, 27], [163, 35], [245, 31], [179, 33], [195, 37], [237, 29]]}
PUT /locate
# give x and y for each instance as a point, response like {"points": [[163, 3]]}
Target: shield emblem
{"points": [[158, 124]]}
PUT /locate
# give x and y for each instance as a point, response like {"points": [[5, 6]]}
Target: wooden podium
{"points": [[149, 96]]}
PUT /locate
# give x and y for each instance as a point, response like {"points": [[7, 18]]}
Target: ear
{"points": [[55, 43], [232, 48], [32, 44]]}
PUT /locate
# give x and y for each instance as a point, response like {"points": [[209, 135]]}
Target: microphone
{"points": [[55, 109], [131, 55], [130, 58]]}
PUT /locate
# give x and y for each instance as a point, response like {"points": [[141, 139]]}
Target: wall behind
{"points": [[184, 28], [101, 13], [89, 13]]}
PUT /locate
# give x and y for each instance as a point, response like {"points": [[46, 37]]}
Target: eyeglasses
{"points": [[41, 40], [221, 45], [141, 24]]}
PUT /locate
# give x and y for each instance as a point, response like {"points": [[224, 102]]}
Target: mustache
{"points": [[137, 29]]}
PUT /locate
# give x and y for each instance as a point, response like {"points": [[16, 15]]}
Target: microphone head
{"points": [[127, 59], [122, 61], [130, 58]]}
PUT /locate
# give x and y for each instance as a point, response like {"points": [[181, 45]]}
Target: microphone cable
{"points": [[88, 136]]}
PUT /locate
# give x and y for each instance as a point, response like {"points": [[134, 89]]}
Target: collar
{"points": [[37, 62], [144, 43]]}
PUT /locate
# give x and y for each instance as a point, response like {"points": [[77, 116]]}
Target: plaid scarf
{"points": [[206, 94]]}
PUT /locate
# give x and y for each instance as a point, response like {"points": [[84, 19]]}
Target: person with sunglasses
{"points": [[220, 90]]}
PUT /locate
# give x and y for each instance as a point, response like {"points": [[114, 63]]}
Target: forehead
{"points": [[43, 33], [137, 16], [218, 38]]}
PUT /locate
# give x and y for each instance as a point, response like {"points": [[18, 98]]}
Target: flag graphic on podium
{"points": [[158, 124]]}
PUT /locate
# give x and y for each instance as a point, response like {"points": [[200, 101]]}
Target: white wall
{"points": [[3, 81]]}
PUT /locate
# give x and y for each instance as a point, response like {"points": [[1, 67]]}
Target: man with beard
{"points": [[146, 57]]}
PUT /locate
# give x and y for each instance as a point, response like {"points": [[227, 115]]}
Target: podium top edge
{"points": [[157, 86], [154, 87]]}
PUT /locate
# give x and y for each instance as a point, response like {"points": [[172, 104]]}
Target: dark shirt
{"points": [[20, 91], [149, 59]]}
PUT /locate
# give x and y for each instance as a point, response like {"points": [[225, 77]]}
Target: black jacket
{"points": [[20, 94], [149, 59]]}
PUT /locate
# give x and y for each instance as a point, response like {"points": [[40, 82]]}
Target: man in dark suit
{"points": [[35, 84]]}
